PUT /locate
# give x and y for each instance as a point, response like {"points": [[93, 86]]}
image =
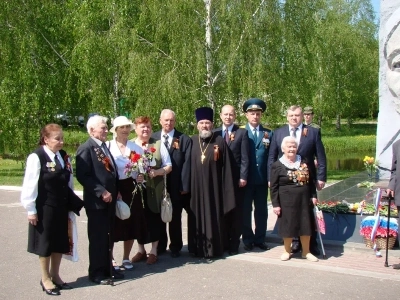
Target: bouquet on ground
{"points": [[333, 207], [371, 165], [140, 164]]}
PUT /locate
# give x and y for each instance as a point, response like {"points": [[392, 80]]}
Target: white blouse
{"points": [[121, 159], [29, 191]]}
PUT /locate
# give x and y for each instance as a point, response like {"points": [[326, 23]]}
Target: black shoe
{"points": [[295, 246], [101, 280], [263, 246], [234, 252], [248, 247], [117, 275], [175, 254], [161, 251], [63, 286], [51, 292]]}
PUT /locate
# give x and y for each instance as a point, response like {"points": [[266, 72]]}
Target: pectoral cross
{"points": [[202, 157]]}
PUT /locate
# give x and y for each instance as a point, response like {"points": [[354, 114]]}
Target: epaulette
{"points": [[242, 126]]}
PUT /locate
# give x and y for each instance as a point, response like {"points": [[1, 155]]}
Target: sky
{"points": [[376, 5]]}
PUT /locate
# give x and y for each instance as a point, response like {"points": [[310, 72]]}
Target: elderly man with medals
{"points": [[212, 186]]}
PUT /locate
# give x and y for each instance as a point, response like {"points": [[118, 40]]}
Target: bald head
{"points": [[228, 115]]}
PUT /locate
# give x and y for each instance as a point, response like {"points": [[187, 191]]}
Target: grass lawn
{"points": [[12, 173]]}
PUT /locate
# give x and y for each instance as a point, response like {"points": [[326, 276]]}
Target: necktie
{"points": [[166, 143], [226, 136], [255, 134], [57, 161], [294, 132]]}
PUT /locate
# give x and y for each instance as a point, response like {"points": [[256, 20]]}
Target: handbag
{"points": [[122, 210], [166, 204]]}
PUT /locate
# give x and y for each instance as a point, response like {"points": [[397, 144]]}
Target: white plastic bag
{"points": [[73, 238]]}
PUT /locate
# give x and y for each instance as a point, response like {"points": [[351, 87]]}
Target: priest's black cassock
{"points": [[212, 193]]}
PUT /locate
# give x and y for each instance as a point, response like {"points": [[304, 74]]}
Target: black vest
{"points": [[53, 182]]}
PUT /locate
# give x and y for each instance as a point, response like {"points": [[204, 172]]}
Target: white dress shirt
{"points": [[230, 127], [299, 132], [29, 191], [170, 137]]}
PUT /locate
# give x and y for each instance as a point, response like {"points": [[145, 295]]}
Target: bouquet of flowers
{"points": [[140, 164], [333, 207], [370, 165]]}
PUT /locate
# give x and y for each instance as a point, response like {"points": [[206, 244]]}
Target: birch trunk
{"points": [[209, 58]]}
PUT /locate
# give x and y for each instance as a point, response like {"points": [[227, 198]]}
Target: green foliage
{"points": [[342, 144], [84, 56]]}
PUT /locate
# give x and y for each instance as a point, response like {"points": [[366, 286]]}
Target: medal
{"points": [[203, 157]]}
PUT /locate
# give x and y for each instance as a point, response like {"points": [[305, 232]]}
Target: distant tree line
{"points": [[138, 57]]}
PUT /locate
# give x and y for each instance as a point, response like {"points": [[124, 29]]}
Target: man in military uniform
{"points": [[257, 180], [308, 114]]}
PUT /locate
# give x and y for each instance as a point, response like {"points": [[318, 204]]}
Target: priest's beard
{"points": [[205, 134]]}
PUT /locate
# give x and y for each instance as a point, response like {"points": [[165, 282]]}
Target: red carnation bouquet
{"points": [[140, 164]]}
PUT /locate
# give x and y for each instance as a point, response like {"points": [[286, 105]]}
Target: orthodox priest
{"points": [[212, 186]]}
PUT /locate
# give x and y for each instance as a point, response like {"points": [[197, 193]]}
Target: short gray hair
{"points": [[165, 111], [94, 121], [288, 139], [292, 108]]}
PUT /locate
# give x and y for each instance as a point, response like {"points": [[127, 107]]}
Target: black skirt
{"points": [[51, 232]]}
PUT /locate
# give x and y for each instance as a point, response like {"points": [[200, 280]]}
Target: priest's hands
{"points": [[242, 183]]}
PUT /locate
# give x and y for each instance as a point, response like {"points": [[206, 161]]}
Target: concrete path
{"points": [[350, 271]]}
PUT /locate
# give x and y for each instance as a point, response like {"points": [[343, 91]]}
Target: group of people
{"points": [[217, 176]]}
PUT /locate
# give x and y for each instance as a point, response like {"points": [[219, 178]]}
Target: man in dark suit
{"points": [[257, 182], [310, 147], [238, 143], [95, 170], [179, 146]]}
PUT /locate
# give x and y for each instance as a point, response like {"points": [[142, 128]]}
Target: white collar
{"points": [[51, 154], [170, 134], [98, 142], [252, 128], [291, 165], [229, 128], [300, 127]]}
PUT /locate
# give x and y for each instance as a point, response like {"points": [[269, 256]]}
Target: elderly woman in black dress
{"points": [[293, 192], [47, 196]]}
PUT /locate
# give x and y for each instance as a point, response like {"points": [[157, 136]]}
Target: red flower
{"points": [[152, 149]]}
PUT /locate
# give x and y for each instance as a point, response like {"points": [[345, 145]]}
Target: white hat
{"points": [[121, 121]]}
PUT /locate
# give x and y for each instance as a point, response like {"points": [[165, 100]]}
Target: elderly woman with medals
{"points": [[292, 193], [47, 196]]}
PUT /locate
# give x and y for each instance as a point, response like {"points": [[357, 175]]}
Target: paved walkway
{"points": [[350, 271]]}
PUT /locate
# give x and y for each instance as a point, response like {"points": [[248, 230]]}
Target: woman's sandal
{"points": [[126, 263]]}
